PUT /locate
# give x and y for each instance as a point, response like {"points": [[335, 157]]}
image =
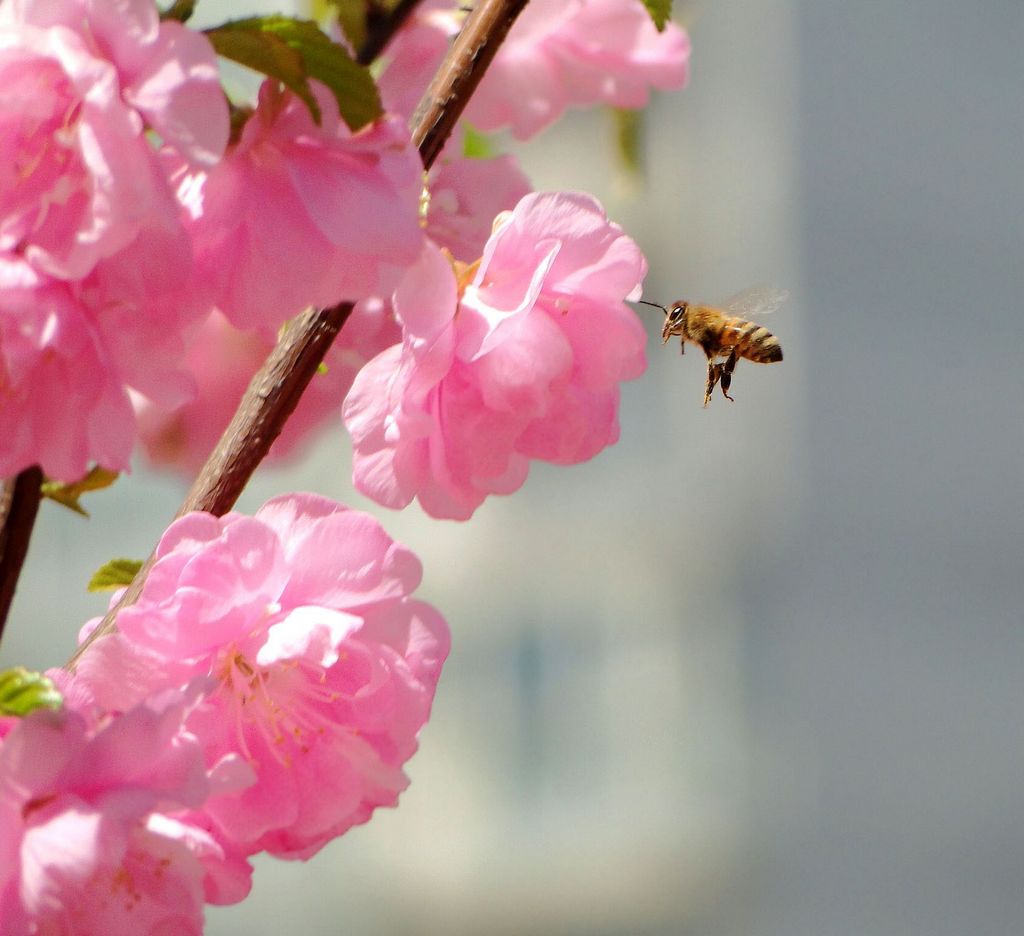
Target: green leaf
{"points": [[68, 494], [355, 17], [660, 10], [239, 116], [179, 10], [244, 42], [117, 573], [628, 124], [351, 83], [476, 145], [23, 691], [351, 16], [292, 51]]}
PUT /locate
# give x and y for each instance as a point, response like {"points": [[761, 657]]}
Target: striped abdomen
{"points": [[752, 341]]}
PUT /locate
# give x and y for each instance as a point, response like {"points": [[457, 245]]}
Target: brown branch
{"points": [[381, 25], [269, 400], [19, 503], [460, 72], [277, 387]]}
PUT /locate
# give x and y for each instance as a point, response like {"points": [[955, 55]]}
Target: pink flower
{"points": [[61, 406], [70, 350], [558, 54], [85, 848], [223, 359], [465, 197], [325, 666], [81, 81], [575, 53], [413, 55], [298, 214], [526, 363]]}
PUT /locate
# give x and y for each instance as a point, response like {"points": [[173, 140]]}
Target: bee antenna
{"points": [[655, 304]]}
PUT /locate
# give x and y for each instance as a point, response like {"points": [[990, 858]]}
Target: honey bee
{"points": [[725, 334]]}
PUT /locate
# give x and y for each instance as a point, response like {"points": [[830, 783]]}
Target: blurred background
{"points": [[758, 669]]}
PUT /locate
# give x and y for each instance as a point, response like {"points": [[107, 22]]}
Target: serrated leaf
{"points": [[660, 10], [67, 494], [292, 51], [23, 691], [117, 573]]}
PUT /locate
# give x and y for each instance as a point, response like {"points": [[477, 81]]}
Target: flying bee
{"points": [[725, 334]]}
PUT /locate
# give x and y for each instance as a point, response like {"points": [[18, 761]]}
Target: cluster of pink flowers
{"points": [[94, 835], [121, 261], [93, 258], [269, 685], [261, 696], [466, 195], [559, 54], [113, 253]]}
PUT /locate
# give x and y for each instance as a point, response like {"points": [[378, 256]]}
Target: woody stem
{"points": [[19, 503]]}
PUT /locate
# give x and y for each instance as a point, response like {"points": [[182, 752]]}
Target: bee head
{"points": [[675, 317]]}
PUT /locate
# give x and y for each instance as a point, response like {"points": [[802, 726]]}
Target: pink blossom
{"points": [[146, 304], [465, 197], [325, 666], [298, 214], [84, 848], [62, 405], [576, 53], [70, 350], [413, 55], [223, 359], [526, 363], [80, 83], [558, 54]]}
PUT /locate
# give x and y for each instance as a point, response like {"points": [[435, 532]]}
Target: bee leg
{"points": [[714, 373], [727, 369]]}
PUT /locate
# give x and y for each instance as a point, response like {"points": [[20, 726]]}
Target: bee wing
{"points": [[753, 303]]}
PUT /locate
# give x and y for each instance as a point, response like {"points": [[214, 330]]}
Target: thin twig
{"points": [[19, 503], [276, 389]]}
